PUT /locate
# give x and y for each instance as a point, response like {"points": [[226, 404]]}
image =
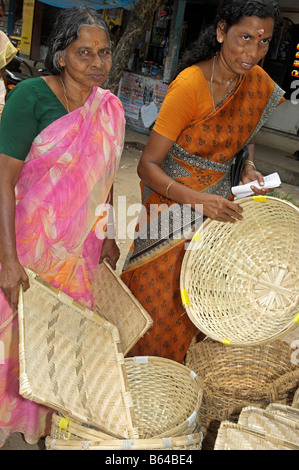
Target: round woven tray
{"points": [[233, 436], [239, 282], [234, 377]]}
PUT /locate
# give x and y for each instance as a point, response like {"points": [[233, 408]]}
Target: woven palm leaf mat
{"points": [[273, 428], [296, 399], [271, 424], [232, 436], [71, 360], [114, 301], [240, 282]]}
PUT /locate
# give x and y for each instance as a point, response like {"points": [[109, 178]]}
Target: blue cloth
{"points": [[96, 4]]}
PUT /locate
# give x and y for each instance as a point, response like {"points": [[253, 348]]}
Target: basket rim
{"points": [[267, 413], [128, 444], [147, 318]]}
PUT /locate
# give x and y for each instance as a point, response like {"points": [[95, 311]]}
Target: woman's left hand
{"points": [[110, 252], [250, 174]]}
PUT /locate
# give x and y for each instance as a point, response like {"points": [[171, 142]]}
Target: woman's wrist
{"points": [[182, 194], [250, 162]]}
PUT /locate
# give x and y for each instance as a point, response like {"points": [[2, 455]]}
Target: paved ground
{"points": [[268, 161]]}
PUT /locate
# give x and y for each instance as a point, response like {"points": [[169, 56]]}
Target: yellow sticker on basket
{"points": [[197, 237], [296, 319], [226, 341], [64, 424], [185, 298], [260, 198]]}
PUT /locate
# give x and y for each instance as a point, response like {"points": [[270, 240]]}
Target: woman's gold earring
{"points": [[60, 61], [221, 40]]}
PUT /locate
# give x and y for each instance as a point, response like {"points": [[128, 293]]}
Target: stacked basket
{"points": [[166, 400], [236, 377], [71, 359], [240, 287], [276, 428]]}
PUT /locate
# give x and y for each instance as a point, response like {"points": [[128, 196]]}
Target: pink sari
{"points": [[60, 202]]}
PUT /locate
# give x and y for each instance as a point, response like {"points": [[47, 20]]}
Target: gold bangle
{"points": [[249, 162], [167, 189]]}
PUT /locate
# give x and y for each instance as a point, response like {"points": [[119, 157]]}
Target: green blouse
{"points": [[30, 107]]}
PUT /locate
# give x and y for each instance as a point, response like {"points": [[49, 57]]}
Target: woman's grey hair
{"points": [[66, 30]]}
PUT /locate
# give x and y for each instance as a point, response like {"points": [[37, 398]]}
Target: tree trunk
{"points": [[138, 20]]}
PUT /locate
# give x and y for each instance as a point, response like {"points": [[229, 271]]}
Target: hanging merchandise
{"points": [[96, 4]]}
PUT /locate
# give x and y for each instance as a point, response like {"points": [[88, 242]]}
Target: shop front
{"points": [[169, 33], [173, 28]]}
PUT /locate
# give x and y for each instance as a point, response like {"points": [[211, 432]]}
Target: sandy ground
{"points": [[126, 204]]}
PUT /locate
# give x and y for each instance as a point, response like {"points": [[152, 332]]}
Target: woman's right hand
{"points": [[12, 276], [12, 273], [218, 208], [151, 172]]}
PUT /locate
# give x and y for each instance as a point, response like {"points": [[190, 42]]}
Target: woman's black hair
{"points": [[229, 12], [66, 30]]}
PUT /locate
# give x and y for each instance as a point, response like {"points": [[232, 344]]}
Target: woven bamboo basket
{"points": [[166, 397], [232, 436], [274, 424], [295, 403], [114, 302], [71, 360], [183, 443], [66, 428], [239, 282], [235, 377]]}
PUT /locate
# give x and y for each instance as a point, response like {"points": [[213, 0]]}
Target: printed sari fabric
{"points": [[60, 205], [200, 159], [7, 53]]}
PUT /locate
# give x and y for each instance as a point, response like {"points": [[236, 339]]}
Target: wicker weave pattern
{"points": [[284, 411], [295, 403], [235, 377], [70, 360], [190, 442], [114, 301], [233, 436], [166, 396], [240, 282], [66, 428], [273, 424]]}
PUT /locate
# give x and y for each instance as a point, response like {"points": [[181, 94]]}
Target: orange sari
{"points": [[201, 159]]}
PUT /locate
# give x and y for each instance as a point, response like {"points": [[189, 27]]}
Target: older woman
{"points": [[211, 111], [59, 153]]}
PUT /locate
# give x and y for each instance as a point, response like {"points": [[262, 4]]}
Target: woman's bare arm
{"points": [[151, 172], [12, 274]]}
